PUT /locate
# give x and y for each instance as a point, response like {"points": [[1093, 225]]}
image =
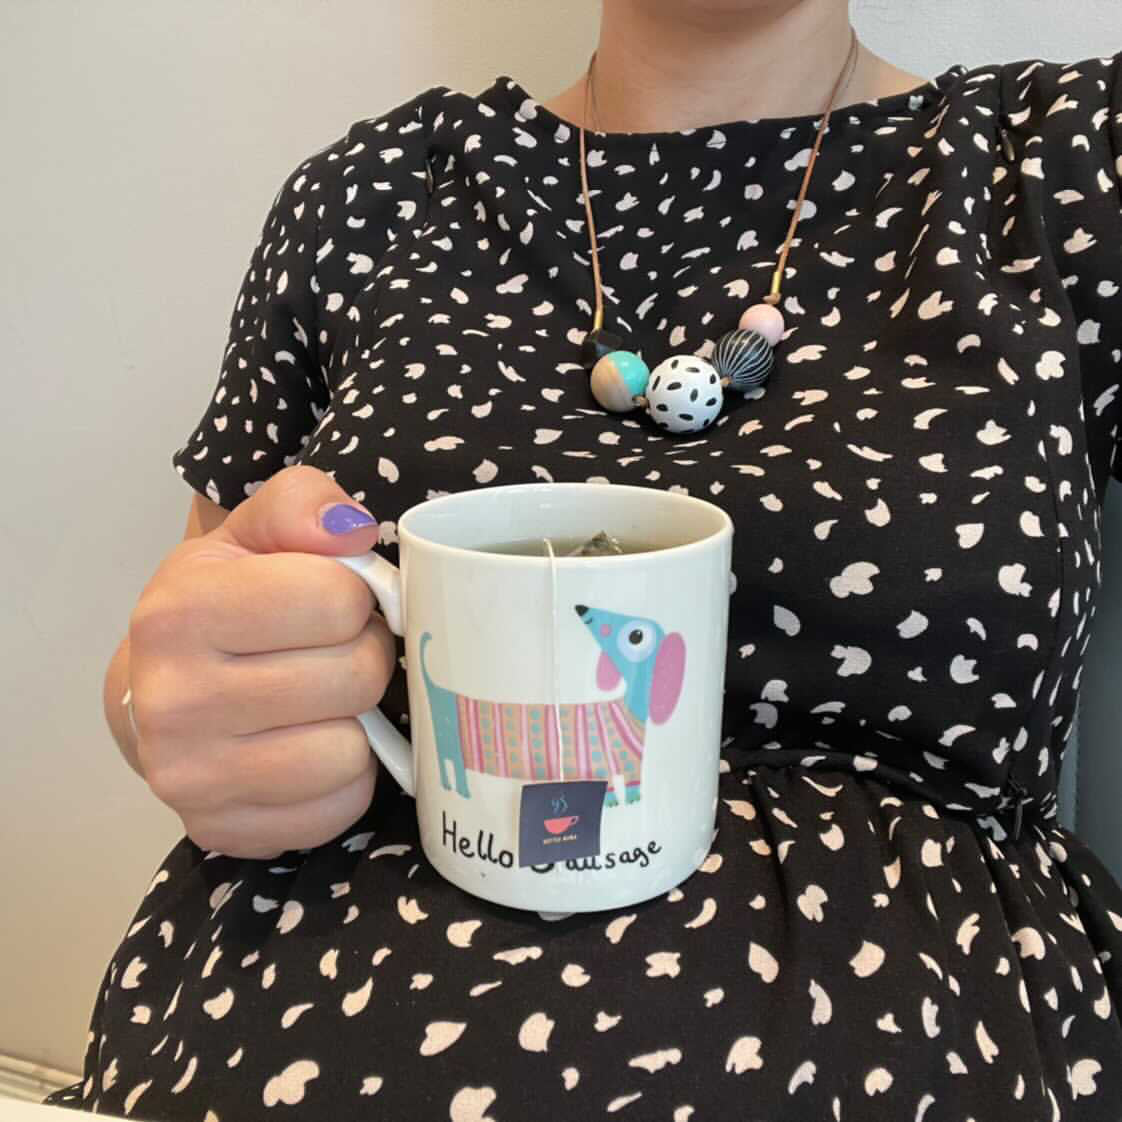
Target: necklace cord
{"points": [[773, 296]]}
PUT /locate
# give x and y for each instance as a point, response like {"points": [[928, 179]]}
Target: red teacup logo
{"points": [[560, 825]]}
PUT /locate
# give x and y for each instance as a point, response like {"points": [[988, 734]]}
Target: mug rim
{"points": [[407, 535]]}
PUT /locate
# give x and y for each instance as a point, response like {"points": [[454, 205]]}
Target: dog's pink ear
{"points": [[670, 669], [607, 675]]}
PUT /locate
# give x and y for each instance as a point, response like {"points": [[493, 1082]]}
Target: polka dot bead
{"points": [[684, 394]]}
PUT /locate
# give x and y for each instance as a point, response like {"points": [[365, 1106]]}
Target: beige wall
{"points": [[142, 142]]}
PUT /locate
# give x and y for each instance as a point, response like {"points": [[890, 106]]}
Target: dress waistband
{"points": [[1011, 806]]}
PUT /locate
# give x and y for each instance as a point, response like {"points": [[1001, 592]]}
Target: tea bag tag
{"points": [[558, 821]]}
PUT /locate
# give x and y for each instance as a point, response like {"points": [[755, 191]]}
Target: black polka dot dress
{"points": [[891, 924]]}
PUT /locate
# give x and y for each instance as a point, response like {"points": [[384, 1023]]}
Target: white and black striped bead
{"points": [[745, 358]]}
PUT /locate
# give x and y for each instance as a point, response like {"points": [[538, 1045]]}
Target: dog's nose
{"points": [[580, 609]]}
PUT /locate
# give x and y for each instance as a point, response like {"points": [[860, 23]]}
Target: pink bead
{"points": [[766, 319]]}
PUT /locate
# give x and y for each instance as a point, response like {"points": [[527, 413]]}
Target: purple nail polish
{"points": [[342, 519]]}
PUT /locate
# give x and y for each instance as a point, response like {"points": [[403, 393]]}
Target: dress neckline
{"points": [[533, 115]]}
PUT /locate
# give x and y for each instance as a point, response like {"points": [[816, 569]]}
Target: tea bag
{"points": [[601, 545]]}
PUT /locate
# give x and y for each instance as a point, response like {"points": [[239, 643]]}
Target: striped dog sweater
{"points": [[520, 741]]}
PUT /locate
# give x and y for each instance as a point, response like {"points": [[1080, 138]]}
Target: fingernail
{"points": [[342, 519]]}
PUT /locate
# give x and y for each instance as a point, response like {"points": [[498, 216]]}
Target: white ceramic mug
{"points": [[598, 681]]}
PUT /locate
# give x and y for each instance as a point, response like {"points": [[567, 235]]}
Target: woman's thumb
{"points": [[300, 510]]}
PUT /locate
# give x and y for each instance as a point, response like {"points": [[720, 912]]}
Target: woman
{"points": [[890, 923]]}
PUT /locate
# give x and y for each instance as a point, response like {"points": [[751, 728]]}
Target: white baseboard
{"points": [[30, 1082]]}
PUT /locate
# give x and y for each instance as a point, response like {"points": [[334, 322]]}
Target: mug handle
{"points": [[384, 579]]}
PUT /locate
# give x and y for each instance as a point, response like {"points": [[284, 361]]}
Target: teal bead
{"points": [[617, 378], [633, 370]]}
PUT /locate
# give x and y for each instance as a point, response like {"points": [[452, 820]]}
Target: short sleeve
{"points": [[328, 225], [1074, 113]]}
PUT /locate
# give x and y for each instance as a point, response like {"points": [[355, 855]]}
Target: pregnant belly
{"points": [[842, 953]]}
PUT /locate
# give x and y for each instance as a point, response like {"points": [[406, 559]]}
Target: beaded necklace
{"points": [[685, 393]]}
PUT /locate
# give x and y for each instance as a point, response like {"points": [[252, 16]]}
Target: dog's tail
{"points": [[424, 668]]}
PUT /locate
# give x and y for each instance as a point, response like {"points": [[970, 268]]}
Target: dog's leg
{"points": [[449, 748], [445, 727], [634, 776]]}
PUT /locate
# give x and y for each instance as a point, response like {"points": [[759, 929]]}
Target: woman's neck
{"points": [[667, 65]]}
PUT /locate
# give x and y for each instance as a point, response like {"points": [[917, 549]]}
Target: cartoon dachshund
{"points": [[599, 739]]}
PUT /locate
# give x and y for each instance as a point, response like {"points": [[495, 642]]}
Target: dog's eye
{"points": [[636, 640]]}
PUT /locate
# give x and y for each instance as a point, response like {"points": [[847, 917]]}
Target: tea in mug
{"points": [[567, 546]]}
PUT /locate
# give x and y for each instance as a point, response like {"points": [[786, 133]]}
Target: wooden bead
{"points": [[617, 379]]}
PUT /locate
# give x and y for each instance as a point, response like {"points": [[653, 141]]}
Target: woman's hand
{"points": [[251, 653]]}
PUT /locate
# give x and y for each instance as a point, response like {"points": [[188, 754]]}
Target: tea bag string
{"points": [[614, 771], [556, 661]]}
